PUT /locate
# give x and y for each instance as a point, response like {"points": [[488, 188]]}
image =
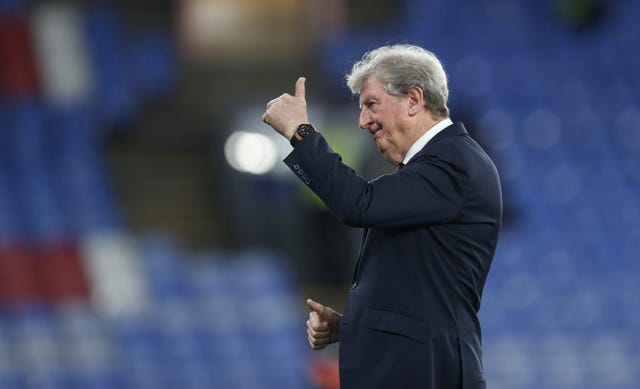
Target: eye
{"points": [[369, 104]]}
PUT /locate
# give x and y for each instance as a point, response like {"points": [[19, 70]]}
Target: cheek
{"points": [[389, 135]]}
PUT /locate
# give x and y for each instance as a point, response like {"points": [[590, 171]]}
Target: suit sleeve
{"points": [[425, 191]]}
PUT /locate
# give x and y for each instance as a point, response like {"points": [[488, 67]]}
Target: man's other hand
{"points": [[323, 326]]}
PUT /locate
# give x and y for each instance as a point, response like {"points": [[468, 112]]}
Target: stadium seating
{"points": [[84, 305]]}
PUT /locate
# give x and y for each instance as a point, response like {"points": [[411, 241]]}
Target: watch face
{"points": [[305, 129]]}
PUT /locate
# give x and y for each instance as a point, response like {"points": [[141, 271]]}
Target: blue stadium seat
{"points": [[163, 261], [116, 102], [154, 64]]}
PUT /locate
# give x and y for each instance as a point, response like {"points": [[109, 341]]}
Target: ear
{"points": [[416, 100]]}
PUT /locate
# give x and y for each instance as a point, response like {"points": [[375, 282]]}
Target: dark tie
{"points": [[400, 166]]}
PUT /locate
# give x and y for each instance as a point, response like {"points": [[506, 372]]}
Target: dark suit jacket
{"points": [[430, 232]]}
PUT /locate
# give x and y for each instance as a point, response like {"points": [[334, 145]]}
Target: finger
{"points": [[300, 88], [270, 103], [317, 344], [316, 322], [316, 307], [322, 335], [318, 333]]}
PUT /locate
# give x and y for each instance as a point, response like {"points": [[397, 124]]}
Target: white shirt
{"points": [[425, 138]]}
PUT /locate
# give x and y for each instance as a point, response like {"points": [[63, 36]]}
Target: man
{"points": [[430, 228]]}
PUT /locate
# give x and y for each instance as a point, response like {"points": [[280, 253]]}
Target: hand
{"points": [[287, 112], [323, 326]]}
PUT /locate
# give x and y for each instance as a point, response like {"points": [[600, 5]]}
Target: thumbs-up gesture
{"points": [[323, 326], [287, 112]]}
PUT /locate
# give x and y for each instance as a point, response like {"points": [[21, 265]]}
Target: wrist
{"points": [[304, 130]]}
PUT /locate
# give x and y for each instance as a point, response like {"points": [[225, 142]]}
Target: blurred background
{"points": [[150, 236]]}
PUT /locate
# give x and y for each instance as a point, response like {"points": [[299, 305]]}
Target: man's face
{"points": [[384, 116]]}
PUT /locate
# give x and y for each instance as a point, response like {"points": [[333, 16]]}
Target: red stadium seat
{"points": [[18, 282], [61, 273], [18, 74]]}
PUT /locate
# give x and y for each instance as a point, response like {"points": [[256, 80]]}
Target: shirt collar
{"points": [[425, 138]]}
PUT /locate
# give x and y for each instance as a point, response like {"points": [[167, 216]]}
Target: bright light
{"points": [[250, 152]]}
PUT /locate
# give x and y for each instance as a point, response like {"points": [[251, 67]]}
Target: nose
{"points": [[365, 119]]}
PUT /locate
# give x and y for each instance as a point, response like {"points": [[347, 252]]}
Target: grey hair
{"points": [[401, 67]]}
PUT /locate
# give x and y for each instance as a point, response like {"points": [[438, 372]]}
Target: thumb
{"points": [[300, 88], [318, 308]]}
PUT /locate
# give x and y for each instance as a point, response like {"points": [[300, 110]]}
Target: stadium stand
{"points": [[85, 305]]}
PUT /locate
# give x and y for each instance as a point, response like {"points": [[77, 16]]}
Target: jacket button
{"points": [[354, 285]]}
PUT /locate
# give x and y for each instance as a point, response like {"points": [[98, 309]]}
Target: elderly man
{"points": [[430, 228]]}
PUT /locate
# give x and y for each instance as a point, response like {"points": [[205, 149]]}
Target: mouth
{"points": [[377, 133], [378, 138]]}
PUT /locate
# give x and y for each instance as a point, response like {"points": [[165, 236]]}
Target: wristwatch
{"points": [[303, 131]]}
